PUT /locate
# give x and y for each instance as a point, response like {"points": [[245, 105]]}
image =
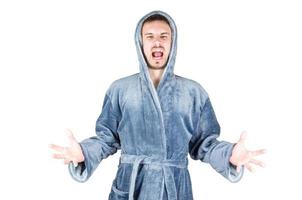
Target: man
{"points": [[156, 118]]}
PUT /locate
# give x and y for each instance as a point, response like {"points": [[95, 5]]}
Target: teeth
{"points": [[161, 51]]}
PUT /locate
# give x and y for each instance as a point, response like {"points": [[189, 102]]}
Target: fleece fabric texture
{"points": [[156, 128]]}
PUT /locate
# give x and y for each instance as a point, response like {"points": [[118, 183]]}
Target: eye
{"points": [[164, 37], [150, 37]]}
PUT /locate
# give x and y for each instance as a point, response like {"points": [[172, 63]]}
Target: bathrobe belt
{"points": [[136, 160]]}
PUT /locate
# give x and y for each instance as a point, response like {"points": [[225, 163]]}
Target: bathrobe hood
{"points": [[143, 67]]}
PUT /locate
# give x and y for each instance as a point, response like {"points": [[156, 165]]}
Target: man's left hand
{"points": [[243, 157]]}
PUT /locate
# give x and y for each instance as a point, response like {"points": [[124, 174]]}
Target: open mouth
{"points": [[157, 55]]}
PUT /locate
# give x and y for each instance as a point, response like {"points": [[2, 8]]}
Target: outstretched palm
{"points": [[73, 153], [243, 157]]}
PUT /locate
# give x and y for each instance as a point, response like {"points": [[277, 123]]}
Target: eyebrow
{"points": [[164, 33]]}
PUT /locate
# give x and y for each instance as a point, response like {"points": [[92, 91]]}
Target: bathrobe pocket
{"points": [[117, 193]]}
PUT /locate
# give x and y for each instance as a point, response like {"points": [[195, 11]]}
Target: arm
{"points": [[204, 145], [96, 148]]}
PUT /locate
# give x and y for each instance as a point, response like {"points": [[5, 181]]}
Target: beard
{"points": [[157, 68]]}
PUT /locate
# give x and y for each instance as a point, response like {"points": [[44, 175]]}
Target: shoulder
{"points": [[117, 90], [192, 86], [122, 84]]}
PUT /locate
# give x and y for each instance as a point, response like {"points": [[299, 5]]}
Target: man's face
{"points": [[156, 36]]}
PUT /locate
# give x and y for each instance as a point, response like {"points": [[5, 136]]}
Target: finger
{"points": [[57, 148], [257, 162], [58, 156], [258, 152], [66, 161], [242, 137], [249, 167], [70, 136]]}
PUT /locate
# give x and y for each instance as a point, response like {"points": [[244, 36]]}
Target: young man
{"points": [[156, 118]]}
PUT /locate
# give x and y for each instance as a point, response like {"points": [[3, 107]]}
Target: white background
{"points": [[57, 58]]}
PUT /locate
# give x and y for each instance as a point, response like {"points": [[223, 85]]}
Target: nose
{"points": [[157, 43]]}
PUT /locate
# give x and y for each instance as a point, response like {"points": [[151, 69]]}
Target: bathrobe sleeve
{"points": [[204, 145], [96, 148]]}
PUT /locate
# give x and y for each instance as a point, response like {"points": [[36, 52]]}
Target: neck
{"points": [[156, 75]]}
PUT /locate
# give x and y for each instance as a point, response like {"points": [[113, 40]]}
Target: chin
{"points": [[156, 64]]}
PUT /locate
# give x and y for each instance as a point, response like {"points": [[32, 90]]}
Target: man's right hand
{"points": [[73, 153]]}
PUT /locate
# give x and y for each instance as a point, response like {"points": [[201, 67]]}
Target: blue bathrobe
{"points": [[156, 129]]}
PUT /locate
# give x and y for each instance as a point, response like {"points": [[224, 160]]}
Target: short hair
{"points": [[156, 17]]}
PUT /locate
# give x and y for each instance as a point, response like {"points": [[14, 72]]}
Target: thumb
{"points": [[70, 136], [242, 137]]}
